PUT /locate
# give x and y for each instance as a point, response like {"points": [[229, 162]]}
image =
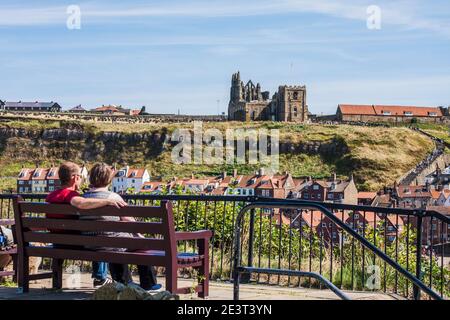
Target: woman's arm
{"points": [[88, 203]]}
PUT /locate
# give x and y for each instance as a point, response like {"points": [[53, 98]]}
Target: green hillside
{"points": [[376, 156]]}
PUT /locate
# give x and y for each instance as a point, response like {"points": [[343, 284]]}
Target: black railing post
{"points": [[416, 289], [245, 277]]}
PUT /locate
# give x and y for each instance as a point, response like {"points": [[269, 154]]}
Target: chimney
{"points": [[235, 173], [334, 177], [261, 172], [192, 176], [224, 175]]}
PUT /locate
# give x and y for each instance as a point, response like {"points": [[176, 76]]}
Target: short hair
{"points": [[100, 175], [66, 171]]}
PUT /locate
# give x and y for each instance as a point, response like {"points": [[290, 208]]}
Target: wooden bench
{"points": [[11, 252], [32, 226]]}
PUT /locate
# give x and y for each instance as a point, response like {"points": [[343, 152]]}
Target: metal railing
{"points": [[341, 243]]}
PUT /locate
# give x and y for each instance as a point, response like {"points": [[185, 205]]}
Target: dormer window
{"points": [[21, 175], [386, 113], [432, 114], [121, 173], [36, 174], [408, 113], [133, 174]]}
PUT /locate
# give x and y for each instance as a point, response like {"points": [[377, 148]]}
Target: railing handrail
{"points": [[414, 212], [337, 221]]}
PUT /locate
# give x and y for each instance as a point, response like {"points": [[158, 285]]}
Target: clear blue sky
{"points": [[171, 55]]}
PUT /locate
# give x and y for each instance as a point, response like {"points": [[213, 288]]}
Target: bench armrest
{"points": [[195, 235]]}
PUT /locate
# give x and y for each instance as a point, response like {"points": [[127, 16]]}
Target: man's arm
{"points": [[86, 204]]}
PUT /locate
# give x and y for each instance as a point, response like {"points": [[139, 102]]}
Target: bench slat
{"points": [[144, 259], [92, 225], [64, 209], [96, 241]]}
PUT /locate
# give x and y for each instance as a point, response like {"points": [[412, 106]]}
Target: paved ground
{"points": [[41, 290]]}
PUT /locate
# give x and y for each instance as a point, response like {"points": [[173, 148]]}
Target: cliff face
{"points": [[81, 145]]}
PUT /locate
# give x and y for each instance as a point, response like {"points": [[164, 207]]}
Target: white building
{"points": [[128, 178]]}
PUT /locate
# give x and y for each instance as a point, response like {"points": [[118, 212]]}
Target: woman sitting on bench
{"points": [[100, 178]]}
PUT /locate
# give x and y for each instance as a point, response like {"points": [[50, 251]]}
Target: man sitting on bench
{"points": [[71, 179], [100, 178]]}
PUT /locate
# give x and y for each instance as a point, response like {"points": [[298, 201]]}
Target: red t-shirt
{"points": [[61, 196]]}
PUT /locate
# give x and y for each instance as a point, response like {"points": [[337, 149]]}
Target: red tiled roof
{"points": [[39, 174], [151, 186], [25, 174], [435, 194], [196, 181], [53, 174], [413, 192], [378, 110], [138, 173], [367, 195]]}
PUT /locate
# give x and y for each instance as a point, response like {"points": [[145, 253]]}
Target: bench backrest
{"points": [[156, 223]]}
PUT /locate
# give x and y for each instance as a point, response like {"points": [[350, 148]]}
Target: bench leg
{"points": [[23, 276], [57, 268], [172, 279], [15, 268], [203, 271]]}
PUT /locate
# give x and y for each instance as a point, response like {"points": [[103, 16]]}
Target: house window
{"points": [[316, 187], [20, 189], [51, 188], [356, 216], [324, 225], [330, 196], [319, 196], [432, 114], [20, 182], [306, 195]]}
